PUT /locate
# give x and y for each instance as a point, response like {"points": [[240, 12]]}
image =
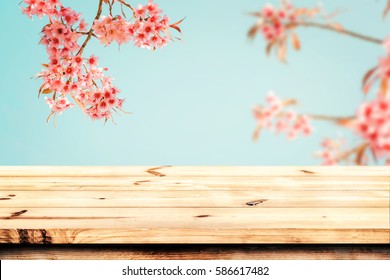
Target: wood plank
{"points": [[195, 199], [194, 218], [184, 171], [195, 252], [196, 183], [196, 236], [188, 179], [61, 205]]}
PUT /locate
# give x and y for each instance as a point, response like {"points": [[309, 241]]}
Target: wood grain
{"points": [[199, 171], [169, 204], [196, 199], [195, 252], [117, 183]]}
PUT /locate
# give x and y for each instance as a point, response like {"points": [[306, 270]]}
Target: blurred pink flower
{"points": [[332, 149], [373, 124], [275, 118]]}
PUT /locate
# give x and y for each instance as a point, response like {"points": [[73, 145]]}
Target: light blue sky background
{"points": [[190, 101]]}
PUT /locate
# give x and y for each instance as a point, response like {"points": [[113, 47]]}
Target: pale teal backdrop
{"points": [[191, 100]]}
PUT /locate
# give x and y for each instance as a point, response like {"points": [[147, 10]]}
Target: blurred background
{"points": [[191, 101]]}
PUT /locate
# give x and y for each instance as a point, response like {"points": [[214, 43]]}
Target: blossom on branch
{"points": [[70, 74], [277, 25], [59, 105], [336, 151], [372, 120], [332, 149], [109, 29], [150, 29], [276, 118], [41, 8]]}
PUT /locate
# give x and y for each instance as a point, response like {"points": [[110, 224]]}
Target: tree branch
{"points": [[90, 32], [339, 30], [337, 120], [345, 155], [126, 4]]}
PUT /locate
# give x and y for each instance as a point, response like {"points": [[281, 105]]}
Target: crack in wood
{"points": [[307, 171], [5, 198], [256, 202], [16, 214], [202, 216], [155, 173], [137, 183]]}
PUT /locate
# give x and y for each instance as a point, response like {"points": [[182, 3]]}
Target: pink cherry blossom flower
{"points": [[140, 12], [83, 25], [268, 11], [92, 61], [373, 124], [60, 105], [69, 15], [78, 60], [153, 9]]}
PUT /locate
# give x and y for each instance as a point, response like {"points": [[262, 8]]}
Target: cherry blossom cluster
{"points": [[97, 100], [274, 20], [274, 117], [373, 125], [69, 74], [277, 25], [59, 105], [41, 8], [332, 151], [372, 120], [148, 28]]}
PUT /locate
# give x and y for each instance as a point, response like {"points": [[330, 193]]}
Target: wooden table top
{"points": [[194, 205]]}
